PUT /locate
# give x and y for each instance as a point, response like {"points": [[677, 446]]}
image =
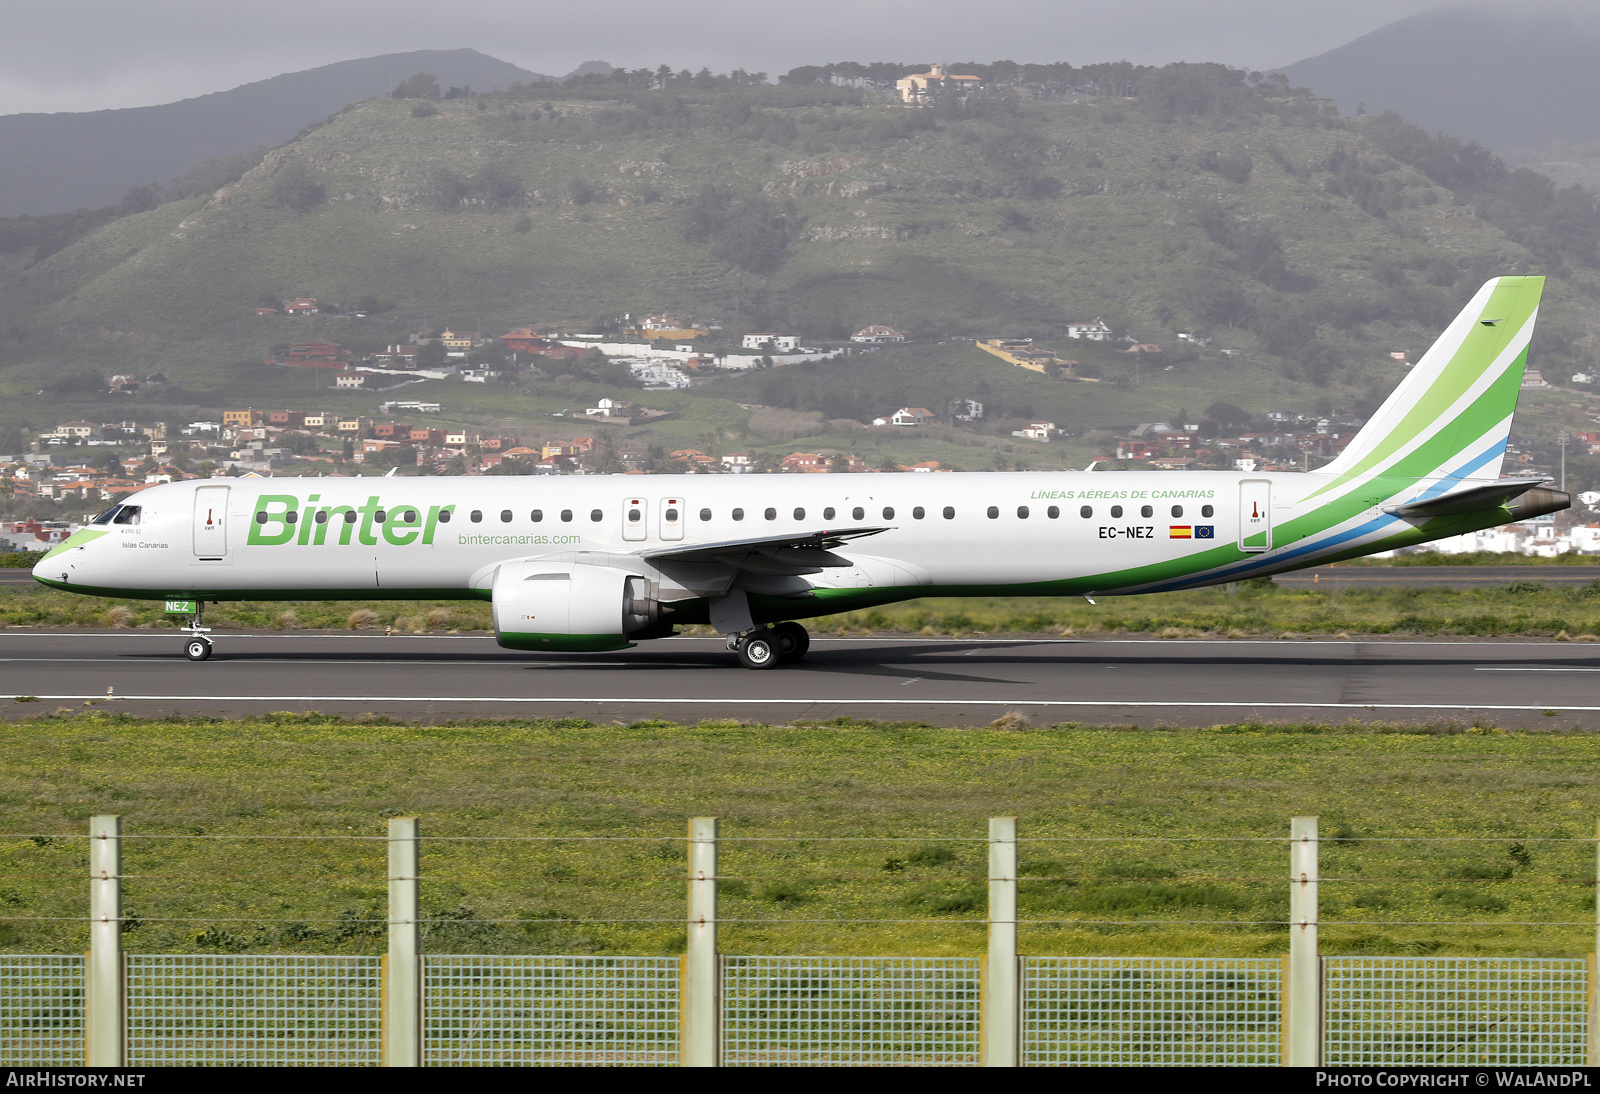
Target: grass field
{"points": [[1248, 609], [914, 799]]}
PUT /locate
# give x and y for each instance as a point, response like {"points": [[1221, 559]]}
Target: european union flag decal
{"points": [[1205, 531]]}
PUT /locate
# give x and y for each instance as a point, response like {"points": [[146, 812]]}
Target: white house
{"points": [[907, 415], [876, 335], [350, 379], [1097, 331], [1036, 431], [780, 342]]}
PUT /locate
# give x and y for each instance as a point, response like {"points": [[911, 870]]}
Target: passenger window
{"points": [[408, 517], [828, 513], [1054, 512], [1022, 512], [350, 516], [1086, 512], [634, 516], [261, 518], [858, 513], [1177, 510], [288, 518], [672, 516], [1206, 511], [596, 515], [322, 516], [505, 516], [1146, 511], [129, 514], [379, 516], [771, 514], [949, 512], [918, 513], [1116, 511], [738, 514], [994, 512], [566, 516], [444, 516], [799, 514], [705, 514], [536, 516], [888, 512], [475, 516]]}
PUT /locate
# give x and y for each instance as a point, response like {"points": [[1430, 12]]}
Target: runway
{"points": [[938, 681]]}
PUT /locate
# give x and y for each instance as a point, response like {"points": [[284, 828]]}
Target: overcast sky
{"points": [[92, 54]]}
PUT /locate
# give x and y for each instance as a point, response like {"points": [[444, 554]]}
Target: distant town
{"points": [[659, 352]]}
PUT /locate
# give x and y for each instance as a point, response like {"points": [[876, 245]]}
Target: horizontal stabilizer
{"points": [[1474, 499]]}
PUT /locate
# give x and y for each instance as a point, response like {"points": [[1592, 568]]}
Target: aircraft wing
{"points": [[1471, 500], [795, 552]]}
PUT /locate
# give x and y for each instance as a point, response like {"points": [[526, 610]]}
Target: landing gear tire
{"points": [[793, 641], [760, 650], [197, 649]]}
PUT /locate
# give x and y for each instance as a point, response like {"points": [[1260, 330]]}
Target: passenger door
{"points": [[1255, 515], [211, 523]]}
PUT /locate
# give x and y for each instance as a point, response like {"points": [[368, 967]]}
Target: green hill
{"points": [[1310, 246]]}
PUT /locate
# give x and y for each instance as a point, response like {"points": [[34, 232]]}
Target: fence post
{"points": [[1303, 1003], [999, 1027], [103, 1005], [699, 1001], [402, 969]]}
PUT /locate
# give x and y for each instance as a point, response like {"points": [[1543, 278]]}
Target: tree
{"points": [[744, 230], [1228, 415], [422, 85], [295, 189], [138, 199]]}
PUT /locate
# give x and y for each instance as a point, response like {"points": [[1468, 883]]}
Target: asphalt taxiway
{"points": [[940, 681]]}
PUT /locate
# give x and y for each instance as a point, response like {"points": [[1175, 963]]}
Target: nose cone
{"points": [[52, 568], [56, 568]]}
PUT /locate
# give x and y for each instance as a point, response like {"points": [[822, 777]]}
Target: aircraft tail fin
{"points": [[1451, 416]]}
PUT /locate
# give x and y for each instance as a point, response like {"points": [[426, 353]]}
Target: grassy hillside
{"points": [[1250, 213]]}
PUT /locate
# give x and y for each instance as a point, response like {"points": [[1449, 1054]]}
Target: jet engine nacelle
{"points": [[561, 606]]}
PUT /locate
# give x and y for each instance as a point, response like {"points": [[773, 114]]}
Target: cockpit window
{"points": [[106, 517], [127, 514]]}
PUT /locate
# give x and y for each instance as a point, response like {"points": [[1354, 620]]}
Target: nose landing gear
{"points": [[197, 647]]}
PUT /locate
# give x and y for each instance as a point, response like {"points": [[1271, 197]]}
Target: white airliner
{"points": [[599, 562]]}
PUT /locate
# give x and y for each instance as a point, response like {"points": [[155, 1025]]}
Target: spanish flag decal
{"points": [[1180, 531]]}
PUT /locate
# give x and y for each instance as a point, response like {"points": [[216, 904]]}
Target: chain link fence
{"points": [[1454, 1011], [1143, 1011], [850, 1011], [41, 1010], [235, 1010], [551, 1011]]}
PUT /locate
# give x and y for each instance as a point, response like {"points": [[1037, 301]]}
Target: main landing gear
{"points": [[768, 647], [197, 647]]}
